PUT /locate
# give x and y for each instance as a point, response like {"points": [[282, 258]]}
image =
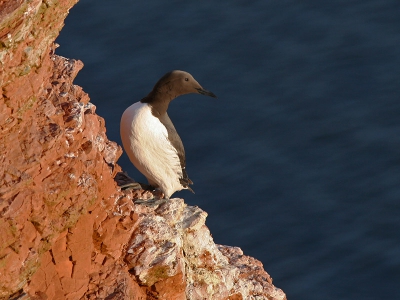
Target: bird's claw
{"points": [[151, 202]]}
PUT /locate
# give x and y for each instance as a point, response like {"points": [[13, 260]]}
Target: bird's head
{"points": [[176, 83]]}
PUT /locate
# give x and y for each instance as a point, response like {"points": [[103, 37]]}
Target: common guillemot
{"points": [[150, 139]]}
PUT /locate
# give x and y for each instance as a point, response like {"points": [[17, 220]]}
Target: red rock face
{"points": [[66, 229]]}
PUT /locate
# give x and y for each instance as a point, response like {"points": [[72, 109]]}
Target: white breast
{"points": [[145, 140]]}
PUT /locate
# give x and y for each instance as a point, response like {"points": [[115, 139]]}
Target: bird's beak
{"points": [[205, 92]]}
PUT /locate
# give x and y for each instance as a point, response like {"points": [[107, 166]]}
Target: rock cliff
{"points": [[66, 230]]}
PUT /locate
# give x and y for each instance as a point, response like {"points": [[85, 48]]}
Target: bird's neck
{"points": [[159, 101]]}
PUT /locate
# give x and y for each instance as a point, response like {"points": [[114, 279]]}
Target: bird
{"points": [[150, 139]]}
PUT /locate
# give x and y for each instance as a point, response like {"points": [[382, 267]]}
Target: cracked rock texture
{"points": [[66, 229]]}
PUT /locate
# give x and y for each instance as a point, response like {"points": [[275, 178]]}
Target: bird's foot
{"points": [[158, 198], [131, 186], [151, 202], [126, 183], [136, 186]]}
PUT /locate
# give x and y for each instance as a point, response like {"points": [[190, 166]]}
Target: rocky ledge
{"points": [[66, 230]]}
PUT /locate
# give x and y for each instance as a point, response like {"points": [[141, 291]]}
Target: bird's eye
{"points": [[186, 79]]}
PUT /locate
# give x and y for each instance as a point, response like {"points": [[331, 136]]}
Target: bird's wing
{"points": [[177, 144]]}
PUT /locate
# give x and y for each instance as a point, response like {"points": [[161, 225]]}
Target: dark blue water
{"points": [[297, 162]]}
